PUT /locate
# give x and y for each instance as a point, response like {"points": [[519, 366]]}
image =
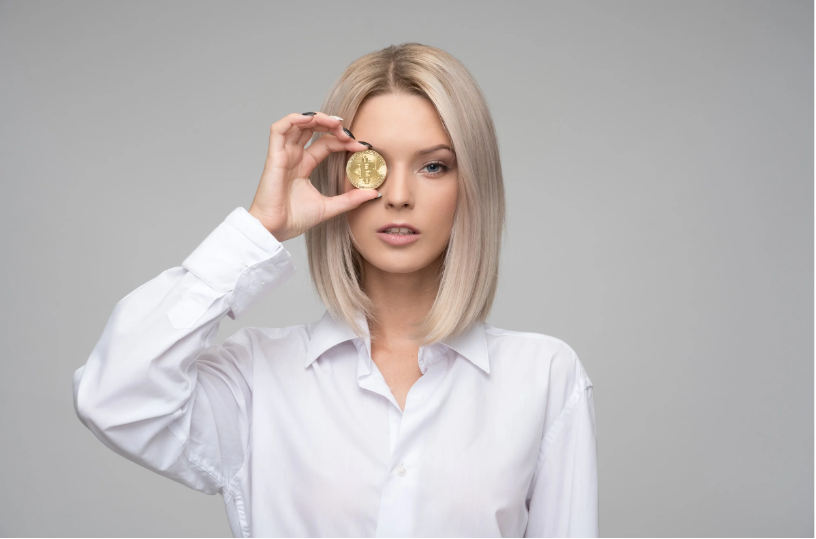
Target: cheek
{"points": [[445, 203], [360, 220], [354, 219]]}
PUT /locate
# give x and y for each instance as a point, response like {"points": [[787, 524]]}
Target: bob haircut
{"points": [[469, 275]]}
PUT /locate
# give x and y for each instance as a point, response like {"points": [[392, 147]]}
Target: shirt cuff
{"points": [[241, 257]]}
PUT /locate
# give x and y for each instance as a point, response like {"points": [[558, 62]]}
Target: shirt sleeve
{"points": [[564, 492], [155, 390]]}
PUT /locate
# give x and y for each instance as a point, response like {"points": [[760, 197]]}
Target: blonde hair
{"points": [[469, 274]]}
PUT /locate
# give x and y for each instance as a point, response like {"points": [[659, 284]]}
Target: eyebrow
{"points": [[421, 152], [434, 148]]}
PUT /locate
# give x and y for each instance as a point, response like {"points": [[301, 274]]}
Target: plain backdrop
{"points": [[658, 162]]}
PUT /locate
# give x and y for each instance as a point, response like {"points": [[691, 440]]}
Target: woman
{"points": [[400, 412]]}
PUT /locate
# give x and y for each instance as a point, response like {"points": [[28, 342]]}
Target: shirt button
{"points": [[401, 470]]}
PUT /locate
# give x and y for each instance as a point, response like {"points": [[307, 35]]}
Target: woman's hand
{"points": [[286, 201]]}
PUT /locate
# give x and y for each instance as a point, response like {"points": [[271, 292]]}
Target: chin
{"points": [[397, 266], [401, 269], [401, 262]]}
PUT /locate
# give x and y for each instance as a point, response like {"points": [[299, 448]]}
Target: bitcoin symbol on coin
{"points": [[366, 169]]}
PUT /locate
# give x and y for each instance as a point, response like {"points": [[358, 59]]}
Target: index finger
{"points": [[331, 124], [290, 127], [323, 146]]}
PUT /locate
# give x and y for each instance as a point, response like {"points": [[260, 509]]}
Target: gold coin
{"points": [[366, 169]]}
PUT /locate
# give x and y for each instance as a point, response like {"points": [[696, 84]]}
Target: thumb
{"points": [[348, 201]]}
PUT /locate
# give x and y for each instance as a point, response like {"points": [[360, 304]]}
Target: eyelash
{"points": [[445, 168]]}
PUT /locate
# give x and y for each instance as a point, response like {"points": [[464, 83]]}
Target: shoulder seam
{"points": [[558, 425]]}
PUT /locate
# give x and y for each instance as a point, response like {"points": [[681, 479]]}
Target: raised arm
{"points": [[155, 389]]}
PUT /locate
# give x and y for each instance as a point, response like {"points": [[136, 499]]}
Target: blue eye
{"points": [[441, 170]]}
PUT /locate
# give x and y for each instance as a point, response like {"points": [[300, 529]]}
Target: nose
{"points": [[398, 188]]}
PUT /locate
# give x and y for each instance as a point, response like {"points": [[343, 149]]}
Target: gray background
{"points": [[658, 160]]}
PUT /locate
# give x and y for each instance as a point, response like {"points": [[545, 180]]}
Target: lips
{"points": [[400, 238], [398, 225]]}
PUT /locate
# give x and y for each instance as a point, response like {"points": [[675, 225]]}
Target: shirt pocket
{"points": [[196, 300]]}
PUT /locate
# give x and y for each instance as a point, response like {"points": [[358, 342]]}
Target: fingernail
{"points": [[348, 133], [336, 118], [308, 113], [379, 194], [365, 143]]}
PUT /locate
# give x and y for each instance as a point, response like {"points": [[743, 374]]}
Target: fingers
{"points": [[322, 147], [304, 137], [348, 201], [291, 128]]}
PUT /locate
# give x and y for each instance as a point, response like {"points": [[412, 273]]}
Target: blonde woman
{"points": [[400, 412]]}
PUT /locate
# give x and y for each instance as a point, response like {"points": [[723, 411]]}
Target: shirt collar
{"points": [[328, 333]]}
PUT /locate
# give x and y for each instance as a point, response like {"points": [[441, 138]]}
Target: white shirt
{"points": [[296, 428]]}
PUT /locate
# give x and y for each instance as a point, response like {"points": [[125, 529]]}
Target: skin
{"points": [[419, 189]]}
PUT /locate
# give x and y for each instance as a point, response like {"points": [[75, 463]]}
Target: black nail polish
{"points": [[348, 133], [308, 113], [365, 143]]}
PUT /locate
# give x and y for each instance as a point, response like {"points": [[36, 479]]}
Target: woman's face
{"points": [[420, 187]]}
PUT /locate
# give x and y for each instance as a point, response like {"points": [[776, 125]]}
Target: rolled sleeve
{"points": [[241, 257]]}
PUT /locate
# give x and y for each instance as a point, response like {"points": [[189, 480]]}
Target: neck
{"points": [[400, 300]]}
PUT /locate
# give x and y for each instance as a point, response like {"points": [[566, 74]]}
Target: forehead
{"points": [[399, 121]]}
